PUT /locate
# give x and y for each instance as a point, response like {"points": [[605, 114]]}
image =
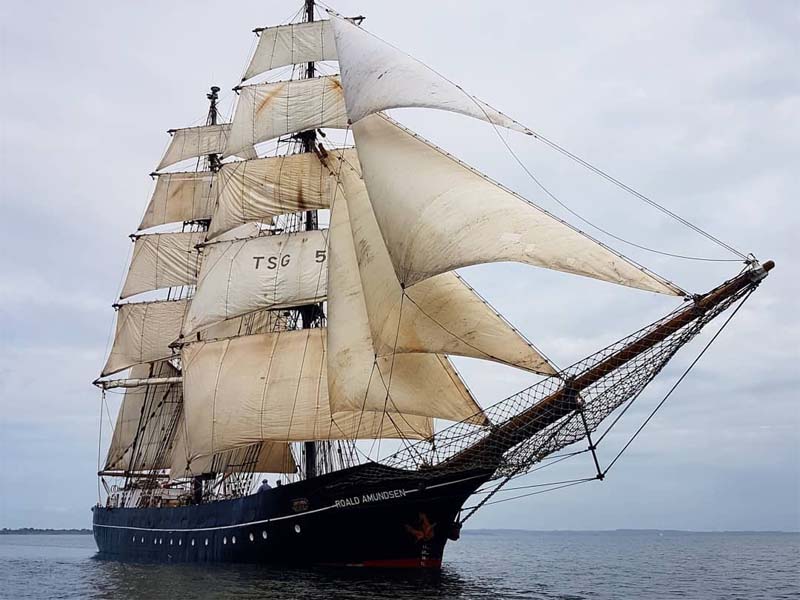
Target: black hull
{"points": [[342, 518]]}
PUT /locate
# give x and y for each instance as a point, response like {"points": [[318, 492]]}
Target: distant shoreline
{"points": [[628, 530], [36, 531]]}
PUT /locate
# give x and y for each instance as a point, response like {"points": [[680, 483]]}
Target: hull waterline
{"points": [[340, 519]]}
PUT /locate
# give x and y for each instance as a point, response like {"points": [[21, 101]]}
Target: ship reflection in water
{"points": [[498, 565], [215, 580]]}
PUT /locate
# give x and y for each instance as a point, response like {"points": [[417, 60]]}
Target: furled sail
{"points": [[262, 457], [377, 77], [271, 386], [269, 110], [261, 189], [272, 271], [184, 196], [440, 314], [437, 214], [292, 44], [406, 384], [162, 260], [147, 414], [144, 333]]}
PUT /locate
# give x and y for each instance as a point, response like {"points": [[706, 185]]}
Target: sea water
{"points": [[483, 564]]}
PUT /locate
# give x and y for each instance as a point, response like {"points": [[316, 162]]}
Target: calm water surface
{"points": [[483, 564]]}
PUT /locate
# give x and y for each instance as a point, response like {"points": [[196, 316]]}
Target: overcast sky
{"points": [[696, 104]]}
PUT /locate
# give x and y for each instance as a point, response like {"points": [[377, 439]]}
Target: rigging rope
{"points": [[600, 475], [628, 189], [587, 165], [553, 489], [680, 380]]}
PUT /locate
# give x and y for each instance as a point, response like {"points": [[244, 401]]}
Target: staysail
{"points": [[432, 212], [440, 314], [412, 383], [377, 77]]}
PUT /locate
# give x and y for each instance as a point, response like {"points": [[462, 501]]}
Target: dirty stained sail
{"points": [[302, 307]]}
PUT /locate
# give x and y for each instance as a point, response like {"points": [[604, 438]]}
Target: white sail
{"points": [[273, 271], [162, 260], [263, 457], [407, 384], [292, 44], [191, 142], [377, 77], [269, 110], [440, 314], [260, 189], [437, 214], [270, 386], [260, 321], [181, 197], [138, 438], [144, 333]]}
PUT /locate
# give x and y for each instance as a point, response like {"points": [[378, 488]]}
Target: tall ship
{"points": [[291, 305]]}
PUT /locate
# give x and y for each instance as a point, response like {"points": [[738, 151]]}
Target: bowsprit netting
{"points": [[565, 408]]}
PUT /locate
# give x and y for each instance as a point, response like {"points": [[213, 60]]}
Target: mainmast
{"points": [[311, 312]]}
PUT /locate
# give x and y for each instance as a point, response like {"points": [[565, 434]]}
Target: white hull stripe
{"points": [[264, 521]]}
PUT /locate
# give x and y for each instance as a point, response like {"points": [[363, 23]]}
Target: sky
{"points": [[696, 104]]}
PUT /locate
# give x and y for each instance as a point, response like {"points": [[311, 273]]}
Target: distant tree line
{"points": [[37, 531]]}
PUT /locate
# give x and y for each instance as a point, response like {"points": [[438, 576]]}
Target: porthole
{"points": [[297, 528], [224, 540], [233, 539], [264, 534], [206, 541], [143, 539], [155, 541], [133, 539], [192, 541], [252, 537], [180, 542], [160, 541], [170, 541]]}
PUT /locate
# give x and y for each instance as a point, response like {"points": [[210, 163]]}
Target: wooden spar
{"points": [[566, 400], [130, 383]]}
